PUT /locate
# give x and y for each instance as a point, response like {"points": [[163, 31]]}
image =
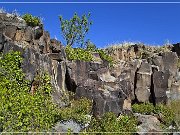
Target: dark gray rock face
{"points": [[143, 83], [38, 32], [1, 42], [175, 91], [176, 48], [170, 61], [126, 78], [58, 56], [55, 46], [108, 101], [96, 81], [9, 19], [148, 124], [133, 80], [28, 41], [105, 99], [165, 80], [166, 62], [93, 80], [160, 81], [10, 31]]}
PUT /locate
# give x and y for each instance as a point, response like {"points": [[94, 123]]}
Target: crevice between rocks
{"points": [[152, 96], [135, 82], [70, 83]]}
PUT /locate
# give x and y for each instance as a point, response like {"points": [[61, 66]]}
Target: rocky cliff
{"points": [[140, 73], [40, 53]]}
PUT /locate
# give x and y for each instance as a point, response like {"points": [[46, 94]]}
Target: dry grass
{"points": [[143, 48], [175, 106], [124, 44], [2, 10]]}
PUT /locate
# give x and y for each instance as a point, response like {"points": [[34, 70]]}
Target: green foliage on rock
{"points": [[86, 54], [77, 110], [22, 111], [78, 54], [166, 113], [75, 29], [19, 110], [144, 108], [105, 56], [110, 123], [31, 20]]}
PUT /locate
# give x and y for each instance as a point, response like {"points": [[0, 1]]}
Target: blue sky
{"points": [[147, 23]]}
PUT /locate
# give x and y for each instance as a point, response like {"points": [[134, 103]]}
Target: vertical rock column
{"points": [[160, 82], [143, 82], [60, 95]]}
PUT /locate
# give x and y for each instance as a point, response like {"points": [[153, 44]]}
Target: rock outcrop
{"points": [[37, 50], [140, 73], [143, 83], [149, 125]]}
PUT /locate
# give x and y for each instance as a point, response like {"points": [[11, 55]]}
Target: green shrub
{"points": [[110, 123], [167, 113], [86, 54], [22, 111], [78, 54], [19, 110], [77, 110], [148, 108], [31, 20], [144, 108], [174, 105], [105, 56]]}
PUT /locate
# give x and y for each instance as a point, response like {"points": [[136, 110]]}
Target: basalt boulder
{"points": [[176, 48], [160, 83], [149, 125], [143, 82]]}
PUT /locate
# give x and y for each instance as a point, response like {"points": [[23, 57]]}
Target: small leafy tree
{"points": [[75, 29]]}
